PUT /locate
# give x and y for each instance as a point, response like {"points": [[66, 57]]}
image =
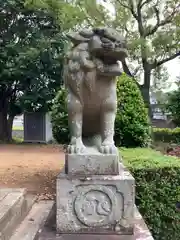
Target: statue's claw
{"points": [[108, 148], [76, 147]]}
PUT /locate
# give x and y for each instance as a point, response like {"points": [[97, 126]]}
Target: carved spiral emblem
{"points": [[94, 206]]}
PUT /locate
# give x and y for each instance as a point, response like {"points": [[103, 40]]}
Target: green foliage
{"points": [[59, 117], [157, 190], [132, 126], [31, 45], [166, 135], [173, 105], [31, 60], [65, 13]]}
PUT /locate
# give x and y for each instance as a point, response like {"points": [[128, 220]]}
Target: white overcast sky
{"points": [[172, 66]]}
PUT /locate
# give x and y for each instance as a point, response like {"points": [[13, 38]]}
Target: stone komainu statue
{"points": [[90, 77]]}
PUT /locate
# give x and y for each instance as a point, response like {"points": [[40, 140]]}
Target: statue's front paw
{"points": [[108, 149], [76, 147]]}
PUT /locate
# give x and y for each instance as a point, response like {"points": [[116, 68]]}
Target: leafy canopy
{"points": [[31, 54]]}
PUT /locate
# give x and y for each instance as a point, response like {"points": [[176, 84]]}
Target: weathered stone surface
{"points": [[96, 204], [90, 78], [141, 232], [20, 212], [92, 164], [14, 206], [30, 227], [43, 227], [8, 205]]}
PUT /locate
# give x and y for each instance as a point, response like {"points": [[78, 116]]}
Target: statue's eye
{"points": [[118, 44]]}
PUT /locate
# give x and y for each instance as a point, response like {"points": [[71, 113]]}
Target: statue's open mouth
{"points": [[109, 52], [107, 60], [109, 66]]}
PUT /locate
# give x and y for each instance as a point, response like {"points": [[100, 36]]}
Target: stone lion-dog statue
{"points": [[90, 77]]}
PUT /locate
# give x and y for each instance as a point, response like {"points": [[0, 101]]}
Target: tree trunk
{"points": [[145, 90], [4, 126], [10, 126]]}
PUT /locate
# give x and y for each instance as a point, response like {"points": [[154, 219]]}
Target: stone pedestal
{"points": [[95, 194], [91, 164]]}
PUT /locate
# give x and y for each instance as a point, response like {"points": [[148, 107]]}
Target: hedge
{"points": [[59, 118], [132, 127], [157, 190], [166, 135]]}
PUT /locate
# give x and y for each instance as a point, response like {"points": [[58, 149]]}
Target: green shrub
{"points": [[59, 117], [132, 126], [157, 190], [173, 104], [166, 135]]}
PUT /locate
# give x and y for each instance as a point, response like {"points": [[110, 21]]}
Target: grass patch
{"points": [[17, 140], [140, 158], [157, 190], [18, 128]]}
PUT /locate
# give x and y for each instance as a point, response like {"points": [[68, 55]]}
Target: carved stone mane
{"points": [[90, 73]]}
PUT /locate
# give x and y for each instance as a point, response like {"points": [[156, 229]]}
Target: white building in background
{"points": [[18, 121], [160, 119], [157, 111]]}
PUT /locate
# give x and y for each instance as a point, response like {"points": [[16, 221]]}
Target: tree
{"points": [[31, 60], [66, 13], [152, 28]]}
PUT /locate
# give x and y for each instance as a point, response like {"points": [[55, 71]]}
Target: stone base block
{"points": [[92, 164], [96, 204]]}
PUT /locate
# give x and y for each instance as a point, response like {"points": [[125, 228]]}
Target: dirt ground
{"points": [[33, 167]]}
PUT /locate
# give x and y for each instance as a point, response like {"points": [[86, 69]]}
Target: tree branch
{"points": [[155, 28], [126, 69], [139, 3], [159, 63], [139, 20], [128, 72], [159, 23], [136, 70], [126, 28], [144, 3], [129, 8]]}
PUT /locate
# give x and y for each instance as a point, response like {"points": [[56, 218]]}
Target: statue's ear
{"points": [[76, 38]]}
